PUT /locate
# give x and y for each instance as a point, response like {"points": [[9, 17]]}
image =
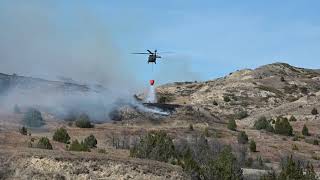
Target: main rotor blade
{"points": [[166, 52], [149, 51], [139, 53]]}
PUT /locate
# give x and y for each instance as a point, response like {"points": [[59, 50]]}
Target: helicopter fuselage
{"points": [[153, 58]]}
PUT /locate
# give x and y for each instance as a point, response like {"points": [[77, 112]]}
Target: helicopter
{"points": [[153, 56]]}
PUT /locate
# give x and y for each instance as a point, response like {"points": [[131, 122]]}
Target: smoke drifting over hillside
{"points": [[44, 39]]}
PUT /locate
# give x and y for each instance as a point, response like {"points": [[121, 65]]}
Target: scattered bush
{"points": [[61, 135], [243, 138], [191, 127], [292, 169], [91, 141], [292, 118], [295, 147], [314, 111], [241, 114], [283, 127], [249, 162], [304, 90], [261, 123], [312, 141], [295, 138], [215, 103], [23, 131], [83, 121], [253, 146], [102, 151], [232, 125], [260, 164], [282, 79], [156, 145], [33, 118], [269, 128], [44, 143], [305, 131], [165, 98], [76, 146], [226, 99], [206, 132], [223, 165]]}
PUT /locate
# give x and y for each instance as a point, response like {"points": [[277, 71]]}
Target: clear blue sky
{"points": [[210, 38]]}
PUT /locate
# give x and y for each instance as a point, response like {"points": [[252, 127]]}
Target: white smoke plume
{"points": [[43, 39], [151, 96]]}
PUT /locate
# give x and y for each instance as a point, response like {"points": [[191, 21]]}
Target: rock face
{"points": [[247, 92]]}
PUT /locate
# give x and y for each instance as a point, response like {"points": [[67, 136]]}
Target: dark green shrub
{"points": [[61, 135], [269, 128], [226, 99], [215, 103], [304, 90], [312, 141], [76, 146], [283, 127], [314, 111], [295, 138], [253, 147], [91, 141], [84, 121], [249, 162], [292, 118], [241, 114], [206, 132], [232, 125], [295, 147], [165, 98], [33, 118], [191, 127], [305, 131], [291, 169], [261, 123], [260, 162], [102, 151], [23, 131], [44, 143], [282, 79], [156, 145], [162, 99], [224, 167], [243, 138], [187, 162], [202, 161]]}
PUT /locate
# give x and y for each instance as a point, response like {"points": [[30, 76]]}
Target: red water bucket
{"points": [[151, 82]]}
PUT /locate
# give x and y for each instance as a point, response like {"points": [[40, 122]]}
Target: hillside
{"points": [[251, 91], [9, 82], [199, 113]]}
